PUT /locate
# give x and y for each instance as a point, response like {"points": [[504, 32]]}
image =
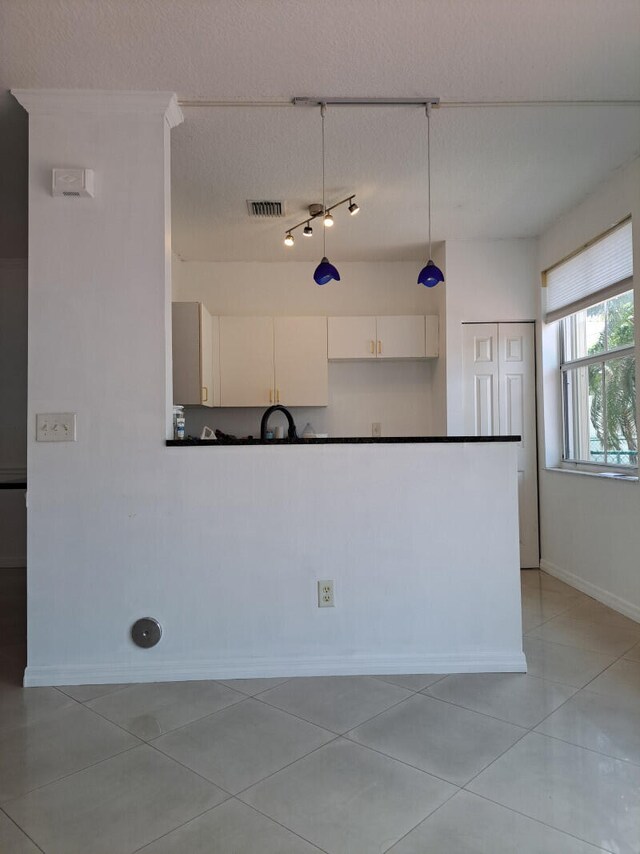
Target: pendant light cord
{"points": [[323, 109], [428, 111]]}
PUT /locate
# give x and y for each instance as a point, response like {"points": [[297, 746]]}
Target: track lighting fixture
{"points": [[325, 271], [289, 239], [430, 275], [318, 210]]}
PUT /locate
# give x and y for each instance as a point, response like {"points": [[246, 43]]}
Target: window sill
{"points": [[629, 478]]}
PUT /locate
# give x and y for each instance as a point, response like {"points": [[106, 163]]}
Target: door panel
{"points": [[518, 416], [499, 399], [484, 404], [480, 385]]}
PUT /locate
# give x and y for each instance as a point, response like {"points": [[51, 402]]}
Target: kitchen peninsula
{"points": [[418, 535]]}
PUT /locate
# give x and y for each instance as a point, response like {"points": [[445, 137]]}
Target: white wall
{"points": [[98, 318], [13, 394], [589, 525], [225, 546], [404, 397], [120, 526], [487, 281]]}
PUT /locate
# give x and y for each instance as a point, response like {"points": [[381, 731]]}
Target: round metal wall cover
{"points": [[146, 632]]}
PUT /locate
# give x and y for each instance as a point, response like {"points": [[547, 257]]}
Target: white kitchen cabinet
{"points": [[400, 337], [246, 361], [411, 336], [301, 371], [195, 355], [351, 337], [432, 336], [265, 360]]}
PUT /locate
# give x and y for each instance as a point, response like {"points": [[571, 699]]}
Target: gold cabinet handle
{"points": [[205, 394], [277, 395], [379, 346], [270, 395], [372, 346]]}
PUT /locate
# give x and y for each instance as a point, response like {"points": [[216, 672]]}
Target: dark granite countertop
{"points": [[353, 440]]}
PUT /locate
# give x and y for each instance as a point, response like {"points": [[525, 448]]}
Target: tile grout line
{"points": [[175, 729], [284, 767], [588, 749], [279, 823], [504, 720], [402, 762], [539, 821], [529, 636], [10, 801], [404, 699], [211, 809], [420, 823], [22, 830]]}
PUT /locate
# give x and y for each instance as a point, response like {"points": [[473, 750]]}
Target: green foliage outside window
{"points": [[613, 402]]}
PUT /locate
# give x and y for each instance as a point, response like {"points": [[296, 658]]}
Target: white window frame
{"points": [[567, 365]]}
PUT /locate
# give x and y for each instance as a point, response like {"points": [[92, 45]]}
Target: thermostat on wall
{"points": [[73, 182]]}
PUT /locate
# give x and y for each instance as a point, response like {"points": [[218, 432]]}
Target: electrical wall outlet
{"points": [[56, 427], [376, 430], [325, 594]]}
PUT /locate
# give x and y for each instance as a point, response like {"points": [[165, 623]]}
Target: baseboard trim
{"points": [[245, 668], [628, 609], [19, 562]]}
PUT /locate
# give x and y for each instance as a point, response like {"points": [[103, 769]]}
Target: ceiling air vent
{"points": [[264, 208]]}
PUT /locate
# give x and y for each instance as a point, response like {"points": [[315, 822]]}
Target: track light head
{"points": [[289, 239], [354, 207], [328, 220], [307, 230]]}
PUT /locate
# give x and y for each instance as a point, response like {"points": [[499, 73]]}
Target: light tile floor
{"points": [[543, 763]]}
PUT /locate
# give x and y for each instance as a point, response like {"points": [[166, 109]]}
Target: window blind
{"points": [[602, 270]]}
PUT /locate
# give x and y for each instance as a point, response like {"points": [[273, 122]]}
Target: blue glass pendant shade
{"points": [[430, 275], [324, 272]]}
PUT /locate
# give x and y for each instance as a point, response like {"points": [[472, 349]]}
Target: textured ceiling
{"points": [[496, 171]]}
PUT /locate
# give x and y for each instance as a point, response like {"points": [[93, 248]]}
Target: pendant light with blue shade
{"points": [[325, 271], [430, 275]]}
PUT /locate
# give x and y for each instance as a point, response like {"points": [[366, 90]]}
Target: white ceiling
{"points": [[498, 172]]}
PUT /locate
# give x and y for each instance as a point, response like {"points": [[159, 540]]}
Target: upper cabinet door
{"points": [[401, 337], [194, 344], [352, 337], [246, 361], [209, 358], [300, 356], [432, 328]]}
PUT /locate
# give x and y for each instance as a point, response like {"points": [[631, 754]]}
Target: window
{"points": [[590, 294], [599, 384]]}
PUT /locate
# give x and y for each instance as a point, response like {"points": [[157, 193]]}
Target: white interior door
{"points": [[499, 399], [480, 357]]}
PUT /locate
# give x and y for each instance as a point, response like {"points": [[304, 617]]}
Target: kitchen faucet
{"points": [[292, 434]]}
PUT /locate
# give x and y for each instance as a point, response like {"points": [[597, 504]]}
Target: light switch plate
{"points": [[56, 427]]}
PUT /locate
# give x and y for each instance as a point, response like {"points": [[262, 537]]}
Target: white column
{"points": [[99, 323]]}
